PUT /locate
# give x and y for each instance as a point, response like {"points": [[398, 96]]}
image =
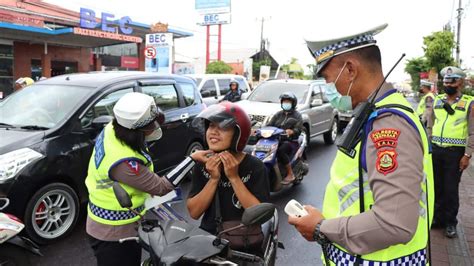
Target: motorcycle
{"points": [[267, 142], [12, 246], [176, 242]]}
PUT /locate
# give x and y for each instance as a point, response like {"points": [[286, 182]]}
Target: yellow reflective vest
{"points": [[342, 199], [103, 206], [451, 130], [422, 105]]}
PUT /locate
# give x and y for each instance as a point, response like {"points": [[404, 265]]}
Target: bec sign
{"points": [[159, 39], [214, 19], [88, 21]]}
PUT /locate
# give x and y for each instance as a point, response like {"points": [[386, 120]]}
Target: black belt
{"points": [[450, 148]]}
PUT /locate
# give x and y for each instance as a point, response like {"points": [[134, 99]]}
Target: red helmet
{"points": [[227, 114]]}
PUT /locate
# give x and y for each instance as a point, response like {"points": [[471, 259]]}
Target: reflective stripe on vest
{"points": [[341, 257], [342, 192], [451, 130], [103, 205]]}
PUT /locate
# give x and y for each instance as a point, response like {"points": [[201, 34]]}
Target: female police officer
{"points": [[120, 155]]}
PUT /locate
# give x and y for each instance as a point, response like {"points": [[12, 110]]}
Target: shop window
{"points": [[6, 70]]}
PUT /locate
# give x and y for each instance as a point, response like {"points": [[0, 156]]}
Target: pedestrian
{"points": [[426, 101], [291, 121], [453, 142], [234, 94], [121, 155], [375, 209]]}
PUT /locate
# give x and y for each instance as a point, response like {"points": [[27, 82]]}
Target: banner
{"points": [[163, 44]]}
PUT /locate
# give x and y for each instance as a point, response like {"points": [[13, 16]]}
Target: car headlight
{"points": [[11, 163]]}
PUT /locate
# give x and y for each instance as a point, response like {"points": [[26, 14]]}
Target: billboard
{"points": [[160, 62], [212, 6], [213, 19]]}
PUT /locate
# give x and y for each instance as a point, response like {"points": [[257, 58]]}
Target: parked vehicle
{"points": [[13, 246], [48, 131], [213, 87], [175, 242], [319, 117], [266, 150]]}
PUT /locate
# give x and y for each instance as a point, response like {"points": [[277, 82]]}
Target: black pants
{"points": [[285, 151], [447, 177], [111, 253]]}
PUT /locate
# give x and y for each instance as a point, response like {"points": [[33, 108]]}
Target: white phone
{"points": [[294, 208]]}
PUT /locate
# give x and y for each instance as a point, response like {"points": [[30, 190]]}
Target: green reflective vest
{"points": [[422, 105], [342, 199], [103, 206], [451, 130]]}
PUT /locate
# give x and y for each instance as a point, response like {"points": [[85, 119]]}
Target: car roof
{"points": [[101, 79], [294, 81]]}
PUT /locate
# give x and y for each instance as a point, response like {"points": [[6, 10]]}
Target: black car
{"points": [[47, 134]]}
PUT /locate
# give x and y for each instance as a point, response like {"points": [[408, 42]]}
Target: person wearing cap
{"points": [[426, 101], [234, 94], [375, 210], [121, 155], [23, 82], [452, 123]]}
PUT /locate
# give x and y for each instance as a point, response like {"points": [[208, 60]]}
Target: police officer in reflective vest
{"points": [[426, 101], [376, 210], [121, 155], [453, 142]]}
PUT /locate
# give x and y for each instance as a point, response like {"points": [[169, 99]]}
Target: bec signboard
{"points": [[213, 19], [159, 39], [158, 53], [212, 6], [108, 22]]}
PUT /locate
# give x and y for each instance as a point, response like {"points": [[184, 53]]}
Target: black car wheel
{"points": [[331, 135], [195, 146], [51, 213]]}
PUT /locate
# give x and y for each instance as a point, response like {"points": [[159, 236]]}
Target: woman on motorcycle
{"points": [[238, 179], [293, 128], [121, 155]]}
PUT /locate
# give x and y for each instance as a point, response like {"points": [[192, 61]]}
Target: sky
{"points": [[289, 23]]}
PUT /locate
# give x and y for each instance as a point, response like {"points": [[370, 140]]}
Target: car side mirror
{"points": [[316, 102], [258, 214], [122, 196], [101, 121]]}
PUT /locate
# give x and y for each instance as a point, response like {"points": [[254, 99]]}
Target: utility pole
{"points": [[458, 41], [262, 44]]}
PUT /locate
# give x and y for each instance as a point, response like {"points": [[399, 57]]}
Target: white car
{"points": [[213, 87], [319, 117]]}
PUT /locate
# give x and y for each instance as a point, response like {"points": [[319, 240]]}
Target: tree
{"points": [[218, 67], [293, 69], [438, 49], [414, 67]]}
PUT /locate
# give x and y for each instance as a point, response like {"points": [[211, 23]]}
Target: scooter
{"points": [[268, 140], [13, 246], [176, 242]]}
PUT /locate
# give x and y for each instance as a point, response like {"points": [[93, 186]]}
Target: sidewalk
{"points": [[460, 250]]}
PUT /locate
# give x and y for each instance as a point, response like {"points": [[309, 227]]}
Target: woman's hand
{"points": [[202, 156], [231, 165], [213, 167]]}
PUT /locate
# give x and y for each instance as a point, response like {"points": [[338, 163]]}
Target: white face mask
{"points": [[156, 135], [338, 101]]}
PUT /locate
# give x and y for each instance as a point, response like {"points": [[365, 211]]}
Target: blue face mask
{"points": [[342, 103], [286, 106]]}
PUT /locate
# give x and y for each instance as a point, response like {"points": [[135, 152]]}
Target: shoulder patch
{"points": [[134, 166], [385, 137], [386, 161]]}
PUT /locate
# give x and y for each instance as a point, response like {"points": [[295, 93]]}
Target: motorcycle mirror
{"points": [[258, 214], [4, 202], [122, 196]]}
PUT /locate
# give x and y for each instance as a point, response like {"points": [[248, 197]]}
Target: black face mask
{"points": [[450, 90]]}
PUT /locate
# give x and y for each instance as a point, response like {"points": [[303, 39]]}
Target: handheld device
{"points": [[294, 208]]}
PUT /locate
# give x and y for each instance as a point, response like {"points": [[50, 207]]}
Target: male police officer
{"points": [[453, 143], [426, 101], [389, 224]]}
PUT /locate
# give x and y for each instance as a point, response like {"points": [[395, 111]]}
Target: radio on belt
{"points": [[294, 208]]}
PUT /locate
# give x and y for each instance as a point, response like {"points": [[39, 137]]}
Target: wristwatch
{"points": [[318, 236]]}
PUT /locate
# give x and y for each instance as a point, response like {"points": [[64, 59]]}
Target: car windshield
{"points": [[270, 92], [40, 106]]}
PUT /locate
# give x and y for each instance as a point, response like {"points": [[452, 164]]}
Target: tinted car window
{"points": [[165, 96], [223, 85], [209, 89], [271, 91], [41, 105], [188, 93]]}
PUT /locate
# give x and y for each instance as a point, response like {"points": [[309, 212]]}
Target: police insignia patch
{"points": [[133, 165], [386, 137], [386, 161]]}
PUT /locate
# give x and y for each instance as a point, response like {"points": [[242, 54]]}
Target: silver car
{"points": [[318, 115]]}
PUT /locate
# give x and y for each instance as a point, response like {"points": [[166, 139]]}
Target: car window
{"points": [[209, 89], [316, 93], [270, 92], [188, 93], [321, 87], [242, 84], [104, 106], [165, 96], [223, 85]]}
